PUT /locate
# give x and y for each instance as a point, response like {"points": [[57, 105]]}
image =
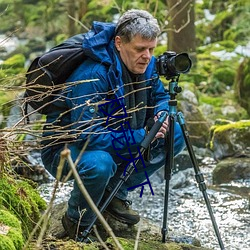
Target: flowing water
{"points": [[187, 212]]}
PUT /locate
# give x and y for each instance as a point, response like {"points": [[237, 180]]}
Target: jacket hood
{"points": [[98, 43]]}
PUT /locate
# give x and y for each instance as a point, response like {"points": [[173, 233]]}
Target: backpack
{"points": [[47, 74]]}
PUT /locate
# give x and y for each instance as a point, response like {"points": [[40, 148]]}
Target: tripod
{"points": [[173, 90]]}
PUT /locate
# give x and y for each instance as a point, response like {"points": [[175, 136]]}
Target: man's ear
{"points": [[118, 43]]}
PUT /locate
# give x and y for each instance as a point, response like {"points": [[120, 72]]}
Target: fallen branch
{"points": [[65, 154]]}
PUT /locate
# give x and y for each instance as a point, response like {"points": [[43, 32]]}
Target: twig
{"points": [[66, 154], [99, 238], [137, 236], [77, 21]]}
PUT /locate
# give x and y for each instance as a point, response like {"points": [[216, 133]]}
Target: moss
{"points": [[21, 199], [225, 75], [9, 219], [16, 61], [128, 244], [6, 243], [214, 101], [16, 237], [235, 125], [220, 131], [13, 239]]}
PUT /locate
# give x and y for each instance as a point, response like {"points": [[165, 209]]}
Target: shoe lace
{"points": [[127, 203]]}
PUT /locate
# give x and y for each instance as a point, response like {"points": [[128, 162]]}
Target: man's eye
{"points": [[139, 50]]}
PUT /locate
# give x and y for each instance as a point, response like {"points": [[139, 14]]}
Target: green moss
{"points": [[16, 61], [13, 239], [128, 244], [16, 237], [239, 128], [9, 219], [242, 84], [212, 100], [21, 199], [235, 125], [6, 243], [225, 75]]}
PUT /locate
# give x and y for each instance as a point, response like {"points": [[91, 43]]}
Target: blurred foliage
{"points": [[221, 27]]}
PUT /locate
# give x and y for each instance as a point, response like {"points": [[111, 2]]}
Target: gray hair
{"points": [[137, 22]]}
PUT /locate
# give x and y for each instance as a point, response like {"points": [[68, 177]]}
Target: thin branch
{"points": [[138, 235], [99, 238], [77, 21], [66, 154]]}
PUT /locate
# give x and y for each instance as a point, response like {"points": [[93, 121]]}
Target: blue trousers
{"points": [[100, 171]]}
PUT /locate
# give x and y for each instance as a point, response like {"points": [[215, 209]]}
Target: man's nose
{"points": [[146, 54]]}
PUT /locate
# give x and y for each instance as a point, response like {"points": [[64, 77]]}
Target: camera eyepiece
{"points": [[170, 64]]}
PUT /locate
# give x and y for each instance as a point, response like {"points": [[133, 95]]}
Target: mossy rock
{"points": [[231, 139], [128, 244], [11, 237], [21, 199]]}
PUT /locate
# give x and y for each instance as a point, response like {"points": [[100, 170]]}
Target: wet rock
{"points": [[231, 169], [197, 125]]}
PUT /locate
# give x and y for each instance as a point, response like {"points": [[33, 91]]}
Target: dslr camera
{"points": [[171, 65]]}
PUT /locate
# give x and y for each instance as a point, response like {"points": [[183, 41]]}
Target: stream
{"points": [[187, 212]]}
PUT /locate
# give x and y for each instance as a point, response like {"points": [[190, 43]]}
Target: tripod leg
{"points": [[199, 176], [168, 173]]}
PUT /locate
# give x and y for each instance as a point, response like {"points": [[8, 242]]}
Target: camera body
{"points": [[171, 65]]}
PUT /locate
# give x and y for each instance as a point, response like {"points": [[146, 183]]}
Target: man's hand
{"points": [[164, 128]]}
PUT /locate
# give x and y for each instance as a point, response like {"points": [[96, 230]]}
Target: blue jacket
{"points": [[88, 117]]}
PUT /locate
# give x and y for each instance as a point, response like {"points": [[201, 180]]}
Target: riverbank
{"points": [[188, 216]]}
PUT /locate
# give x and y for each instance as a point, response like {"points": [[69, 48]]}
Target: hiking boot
{"points": [[120, 210], [75, 231]]}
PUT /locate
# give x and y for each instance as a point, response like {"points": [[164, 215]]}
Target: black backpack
{"points": [[47, 74]]}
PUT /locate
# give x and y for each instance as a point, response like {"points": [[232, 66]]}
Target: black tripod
{"points": [[173, 90]]}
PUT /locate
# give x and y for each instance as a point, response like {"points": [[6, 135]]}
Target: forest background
{"points": [[214, 33]]}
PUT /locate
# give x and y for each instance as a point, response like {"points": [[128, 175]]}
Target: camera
{"points": [[171, 65]]}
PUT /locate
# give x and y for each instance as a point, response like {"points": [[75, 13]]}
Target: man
{"points": [[107, 115]]}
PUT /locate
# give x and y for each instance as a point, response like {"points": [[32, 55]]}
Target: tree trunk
{"points": [[71, 6], [181, 27], [83, 7]]}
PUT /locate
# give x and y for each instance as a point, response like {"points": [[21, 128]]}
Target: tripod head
{"points": [[174, 89]]}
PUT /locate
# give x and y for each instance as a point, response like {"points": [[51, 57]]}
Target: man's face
{"points": [[137, 53]]}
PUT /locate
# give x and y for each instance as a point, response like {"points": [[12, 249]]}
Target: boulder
{"points": [[149, 238], [231, 139], [231, 169], [230, 143]]}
